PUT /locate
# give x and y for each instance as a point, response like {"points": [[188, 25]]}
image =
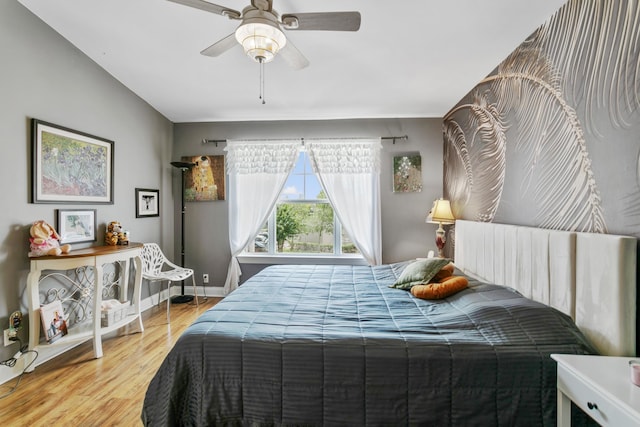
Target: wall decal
{"points": [[595, 43], [481, 160], [555, 127]]}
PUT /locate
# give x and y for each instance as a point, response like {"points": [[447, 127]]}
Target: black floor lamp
{"points": [[183, 166]]}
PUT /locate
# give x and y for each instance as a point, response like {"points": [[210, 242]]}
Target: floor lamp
{"points": [[183, 166]]}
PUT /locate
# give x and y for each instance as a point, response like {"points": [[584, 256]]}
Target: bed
{"points": [[335, 345]]}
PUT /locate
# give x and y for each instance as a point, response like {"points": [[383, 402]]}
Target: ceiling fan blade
{"points": [[221, 46], [210, 7], [322, 21], [293, 57]]}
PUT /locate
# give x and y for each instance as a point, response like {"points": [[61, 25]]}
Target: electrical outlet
{"points": [[205, 278], [7, 340]]}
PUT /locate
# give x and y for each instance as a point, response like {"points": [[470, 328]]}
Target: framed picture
{"points": [[407, 173], [70, 166], [204, 182], [147, 202], [77, 225], [54, 325]]}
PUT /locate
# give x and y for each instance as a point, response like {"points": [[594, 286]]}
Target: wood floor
{"points": [[74, 389]]}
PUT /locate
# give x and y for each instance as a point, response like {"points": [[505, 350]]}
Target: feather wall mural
{"points": [[550, 138], [481, 160]]}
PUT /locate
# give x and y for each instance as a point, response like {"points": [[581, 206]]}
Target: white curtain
{"points": [[257, 171], [349, 171]]}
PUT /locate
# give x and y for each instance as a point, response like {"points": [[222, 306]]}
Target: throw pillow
{"points": [[419, 272], [447, 287]]}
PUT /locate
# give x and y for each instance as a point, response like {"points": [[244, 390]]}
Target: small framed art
{"points": [[76, 225], [204, 181], [54, 324], [147, 202], [407, 173]]}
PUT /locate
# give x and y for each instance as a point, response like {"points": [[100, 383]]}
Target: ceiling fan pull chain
{"points": [[262, 81]]}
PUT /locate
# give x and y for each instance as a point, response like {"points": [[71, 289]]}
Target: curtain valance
{"points": [[345, 156], [254, 157]]}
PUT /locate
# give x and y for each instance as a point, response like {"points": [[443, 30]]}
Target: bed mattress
{"points": [[335, 345]]}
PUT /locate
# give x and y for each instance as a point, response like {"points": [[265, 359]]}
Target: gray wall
{"points": [[43, 76], [404, 232]]}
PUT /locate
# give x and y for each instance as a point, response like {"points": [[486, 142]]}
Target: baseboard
{"points": [[209, 291], [9, 373]]}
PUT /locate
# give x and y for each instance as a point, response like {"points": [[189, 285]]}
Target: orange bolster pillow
{"points": [[446, 271], [449, 286]]}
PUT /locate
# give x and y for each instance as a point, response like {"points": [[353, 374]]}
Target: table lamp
{"points": [[440, 214]]}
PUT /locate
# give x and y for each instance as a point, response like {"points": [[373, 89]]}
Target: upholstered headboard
{"points": [[591, 277]]}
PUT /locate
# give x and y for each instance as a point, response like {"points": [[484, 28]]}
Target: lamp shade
{"points": [[441, 212], [260, 39]]}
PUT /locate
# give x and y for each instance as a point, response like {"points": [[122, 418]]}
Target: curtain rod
{"points": [[224, 141]]}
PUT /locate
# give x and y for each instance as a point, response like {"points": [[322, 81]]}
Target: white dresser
{"points": [[600, 386]]}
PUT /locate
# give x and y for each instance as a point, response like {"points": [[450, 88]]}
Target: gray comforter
{"points": [[334, 345]]}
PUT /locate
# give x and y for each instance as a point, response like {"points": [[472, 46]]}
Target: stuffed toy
{"points": [[111, 235], [45, 240], [123, 237], [115, 234]]}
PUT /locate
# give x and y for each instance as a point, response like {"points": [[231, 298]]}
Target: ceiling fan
{"points": [[260, 31]]}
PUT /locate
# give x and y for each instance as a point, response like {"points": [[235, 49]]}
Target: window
{"points": [[303, 221]]}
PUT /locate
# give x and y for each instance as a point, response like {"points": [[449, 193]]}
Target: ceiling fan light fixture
{"points": [[261, 41]]}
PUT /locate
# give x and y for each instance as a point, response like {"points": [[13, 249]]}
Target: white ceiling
{"points": [[411, 58]]}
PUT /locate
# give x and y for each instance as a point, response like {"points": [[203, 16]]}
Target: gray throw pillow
{"points": [[419, 272]]}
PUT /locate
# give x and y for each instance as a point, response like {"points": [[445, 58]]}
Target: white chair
{"points": [[157, 268]]}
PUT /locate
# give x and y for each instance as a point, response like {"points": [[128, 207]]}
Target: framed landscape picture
{"points": [[147, 202], [69, 166]]}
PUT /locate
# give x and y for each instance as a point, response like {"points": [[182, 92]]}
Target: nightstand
{"points": [[600, 386]]}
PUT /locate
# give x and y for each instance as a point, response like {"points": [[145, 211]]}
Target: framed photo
{"points": [[407, 173], [54, 325], [77, 225], [147, 202], [70, 166], [204, 181]]}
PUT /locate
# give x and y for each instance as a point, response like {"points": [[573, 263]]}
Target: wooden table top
{"points": [[91, 251]]}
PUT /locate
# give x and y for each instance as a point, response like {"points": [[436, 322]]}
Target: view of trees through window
{"points": [[303, 221]]}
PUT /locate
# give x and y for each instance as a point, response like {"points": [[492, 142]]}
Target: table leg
{"points": [[124, 280], [564, 410], [97, 307], [137, 261], [33, 278]]}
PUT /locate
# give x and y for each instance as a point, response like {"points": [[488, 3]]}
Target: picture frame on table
{"points": [[54, 324], [147, 202], [76, 225], [69, 166]]}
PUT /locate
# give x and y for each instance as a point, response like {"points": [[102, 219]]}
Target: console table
{"points": [[94, 258], [600, 386]]}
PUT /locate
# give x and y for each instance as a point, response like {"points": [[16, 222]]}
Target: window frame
{"points": [[271, 226], [271, 229]]}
